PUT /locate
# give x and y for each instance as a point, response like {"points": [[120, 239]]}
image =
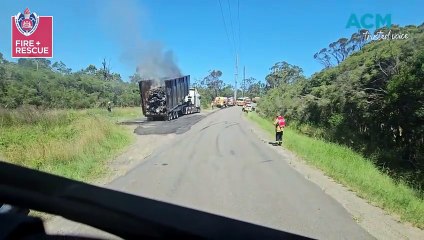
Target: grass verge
{"points": [[70, 143], [354, 171]]}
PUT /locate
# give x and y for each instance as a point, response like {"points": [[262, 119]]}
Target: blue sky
{"points": [[270, 31]]}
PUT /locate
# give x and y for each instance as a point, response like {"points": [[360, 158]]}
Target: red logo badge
{"points": [[32, 35]]}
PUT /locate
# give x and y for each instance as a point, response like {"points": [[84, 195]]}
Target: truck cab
{"points": [[191, 102], [193, 97]]}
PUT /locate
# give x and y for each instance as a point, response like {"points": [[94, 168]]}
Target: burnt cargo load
{"points": [[170, 100]]}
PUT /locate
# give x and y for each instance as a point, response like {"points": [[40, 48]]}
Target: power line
{"points": [[238, 19], [233, 46], [232, 26], [236, 50], [225, 26]]}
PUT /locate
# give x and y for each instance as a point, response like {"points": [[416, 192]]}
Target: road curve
{"points": [[220, 166]]}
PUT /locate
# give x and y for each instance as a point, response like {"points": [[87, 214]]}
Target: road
{"points": [[220, 166], [216, 163]]}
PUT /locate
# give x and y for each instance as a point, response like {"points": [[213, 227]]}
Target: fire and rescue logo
{"points": [[27, 22]]}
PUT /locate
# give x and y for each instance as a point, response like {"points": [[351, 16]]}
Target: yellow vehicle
{"points": [[240, 102], [221, 102]]}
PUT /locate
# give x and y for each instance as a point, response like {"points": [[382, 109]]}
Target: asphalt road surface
{"points": [[177, 126], [219, 166]]}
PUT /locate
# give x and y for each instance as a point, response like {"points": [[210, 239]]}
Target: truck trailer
{"points": [[168, 100]]}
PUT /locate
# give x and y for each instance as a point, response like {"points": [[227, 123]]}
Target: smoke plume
{"points": [[157, 64], [150, 59]]}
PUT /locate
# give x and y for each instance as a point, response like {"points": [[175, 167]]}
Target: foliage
{"points": [[355, 172], [283, 73], [213, 83], [338, 51], [70, 143], [372, 102], [56, 86]]}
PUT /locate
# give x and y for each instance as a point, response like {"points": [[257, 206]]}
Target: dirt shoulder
{"points": [[143, 147], [373, 219]]}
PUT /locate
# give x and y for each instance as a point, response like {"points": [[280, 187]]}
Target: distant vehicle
{"points": [[256, 99], [240, 101], [253, 104], [247, 107], [170, 100], [221, 102], [231, 101], [247, 101]]}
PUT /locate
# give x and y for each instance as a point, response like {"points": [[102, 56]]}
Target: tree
{"points": [[61, 68], [91, 69], [227, 91], [2, 80], [213, 82], [1, 58], [339, 50], [58, 87], [115, 77], [105, 70], [43, 63], [283, 73], [371, 102], [323, 57], [246, 84], [358, 39], [26, 62], [256, 89]]}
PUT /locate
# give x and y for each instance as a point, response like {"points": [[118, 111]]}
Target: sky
{"points": [[262, 32]]}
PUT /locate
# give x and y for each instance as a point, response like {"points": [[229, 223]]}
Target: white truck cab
{"points": [[193, 100]]}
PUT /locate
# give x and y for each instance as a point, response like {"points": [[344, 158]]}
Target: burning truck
{"points": [[169, 100]]}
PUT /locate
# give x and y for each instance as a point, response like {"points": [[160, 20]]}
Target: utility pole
{"points": [[235, 79], [244, 80]]}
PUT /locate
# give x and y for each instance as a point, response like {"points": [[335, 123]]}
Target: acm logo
{"points": [[369, 21]]}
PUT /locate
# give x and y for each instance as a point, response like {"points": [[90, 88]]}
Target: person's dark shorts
{"points": [[278, 136]]}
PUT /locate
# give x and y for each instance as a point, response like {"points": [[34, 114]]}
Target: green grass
{"points": [[117, 114], [354, 171], [71, 143]]}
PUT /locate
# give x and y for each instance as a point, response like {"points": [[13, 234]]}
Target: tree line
{"points": [[212, 86], [44, 84], [369, 96]]}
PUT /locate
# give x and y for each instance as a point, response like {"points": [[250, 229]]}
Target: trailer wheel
{"points": [[169, 116]]}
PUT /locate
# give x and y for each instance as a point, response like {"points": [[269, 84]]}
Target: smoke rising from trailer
{"points": [[152, 60], [156, 63]]}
